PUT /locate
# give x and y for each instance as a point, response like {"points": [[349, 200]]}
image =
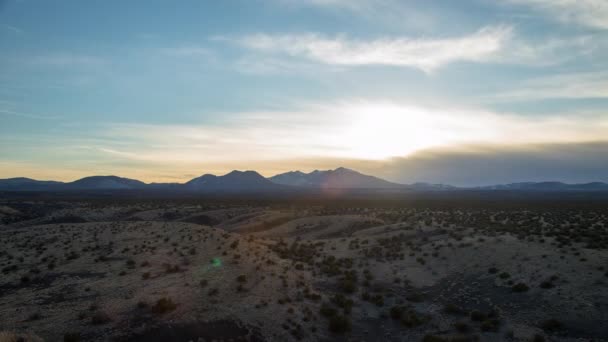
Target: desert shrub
{"points": [[72, 337], [551, 325], [493, 270], [434, 338], [342, 302], [145, 275], [396, 312], [490, 325], [172, 268], [462, 327], [327, 310], [204, 283], [547, 284], [453, 309], [377, 299], [241, 279], [213, 292], [164, 305], [348, 283], [100, 317], [538, 338], [339, 324], [411, 319], [35, 316], [520, 287], [477, 316], [414, 297], [504, 275]]}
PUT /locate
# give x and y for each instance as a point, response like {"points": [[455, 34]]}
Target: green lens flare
{"points": [[216, 262]]}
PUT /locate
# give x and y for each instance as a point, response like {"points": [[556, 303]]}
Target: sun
{"points": [[380, 131]]}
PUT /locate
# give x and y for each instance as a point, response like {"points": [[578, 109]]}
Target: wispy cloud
{"points": [[589, 85], [63, 59], [15, 29], [590, 13], [27, 115], [188, 51], [426, 54], [394, 13], [349, 129]]}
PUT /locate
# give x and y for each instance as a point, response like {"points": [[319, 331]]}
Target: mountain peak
{"points": [[345, 170], [340, 178], [106, 182], [235, 180]]}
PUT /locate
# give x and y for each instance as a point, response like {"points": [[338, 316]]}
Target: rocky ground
{"points": [[188, 271]]}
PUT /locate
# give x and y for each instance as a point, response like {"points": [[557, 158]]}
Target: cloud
{"points": [[353, 129], [487, 165], [590, 13], [62, 59], [27, 115], [589, 85], [14, 29], [426, 54], [394, 13], [188, 51], [548, 52]]}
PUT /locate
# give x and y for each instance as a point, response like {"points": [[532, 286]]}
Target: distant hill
{"points": [[549, 186], [27, 184], [87, 183], [294, 181], [232, 182], [105, 182], [340, 178]]}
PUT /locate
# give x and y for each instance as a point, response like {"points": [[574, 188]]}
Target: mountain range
{"points": [[251, 181]]}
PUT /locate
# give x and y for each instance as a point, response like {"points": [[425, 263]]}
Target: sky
{"points": [[468, 92]]}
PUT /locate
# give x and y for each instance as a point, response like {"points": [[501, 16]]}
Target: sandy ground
{"points": [[180, 272]]}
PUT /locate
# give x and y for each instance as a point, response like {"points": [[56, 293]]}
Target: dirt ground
{"points": [[175, 271]]}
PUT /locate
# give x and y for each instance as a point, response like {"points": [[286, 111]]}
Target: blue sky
{"points": [[163, 91]]}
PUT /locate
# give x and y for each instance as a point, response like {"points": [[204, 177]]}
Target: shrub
{"points": [[412, 319], [462, 327], [327, 310], [100, 317], [35, 316], [453, 309], [551, 325], [341, 301], [490, 325], [477, 316], [415, 297], [520, 287], [339, 324], [434, 338], [396, 312], [538, 338], [164, 305], [72, 337], [546, 285]]}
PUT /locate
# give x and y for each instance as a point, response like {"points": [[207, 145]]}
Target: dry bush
{"points": [[9, 336]]}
